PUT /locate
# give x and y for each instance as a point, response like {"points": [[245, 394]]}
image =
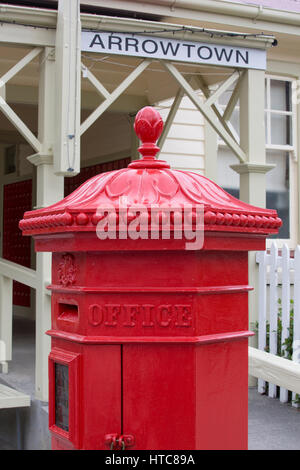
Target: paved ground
{"points": [[272, 425]]}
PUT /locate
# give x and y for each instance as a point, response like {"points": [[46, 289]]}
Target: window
{"points": [[278, 189], [278, 114], [280, 127]]}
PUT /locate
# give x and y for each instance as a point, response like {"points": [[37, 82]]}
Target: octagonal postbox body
{"points": [[149, 307]]}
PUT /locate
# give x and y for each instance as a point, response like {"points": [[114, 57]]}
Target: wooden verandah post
{"points": [[58, 133], [50, 189], [253, 171]]}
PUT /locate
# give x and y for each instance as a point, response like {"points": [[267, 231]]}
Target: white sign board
{"points": [[135, 45]]}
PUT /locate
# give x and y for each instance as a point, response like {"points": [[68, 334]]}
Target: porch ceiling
{"points": [[155, 83]]}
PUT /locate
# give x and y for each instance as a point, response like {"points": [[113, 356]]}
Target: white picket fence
{"points": [[279, 278]]}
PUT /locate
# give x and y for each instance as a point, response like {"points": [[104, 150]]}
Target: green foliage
{"points": [[286, 348]]}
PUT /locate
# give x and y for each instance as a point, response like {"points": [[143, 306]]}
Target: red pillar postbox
{"points": [[149, 326]]}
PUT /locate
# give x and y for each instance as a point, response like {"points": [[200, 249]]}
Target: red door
{"points": [[17, 199]]}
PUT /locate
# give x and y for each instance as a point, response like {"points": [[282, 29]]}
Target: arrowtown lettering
{"points": [[172, 49], [179, 50], [146, 315]]}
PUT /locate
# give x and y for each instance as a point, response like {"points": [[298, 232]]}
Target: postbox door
{"points": [[157, 383], [104, 397]]}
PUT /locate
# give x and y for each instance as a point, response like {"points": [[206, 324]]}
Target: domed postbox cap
{"points": [[151, 184]]}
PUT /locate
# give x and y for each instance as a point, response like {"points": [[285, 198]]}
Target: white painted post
{"points": [[42, 324], [285, 304], [273, 309], [261, 258], [253, 171], [68, 91], [6, 319], [296, 328], [50, 189], [252, 139]]}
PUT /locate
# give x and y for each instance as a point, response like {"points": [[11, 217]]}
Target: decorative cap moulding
{"points": [[149, 182]]}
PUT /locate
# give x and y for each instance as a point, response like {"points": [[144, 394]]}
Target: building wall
{"points": [[184, 147]]}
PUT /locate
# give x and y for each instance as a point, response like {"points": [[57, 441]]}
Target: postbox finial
{"points": [[148, 126]]}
